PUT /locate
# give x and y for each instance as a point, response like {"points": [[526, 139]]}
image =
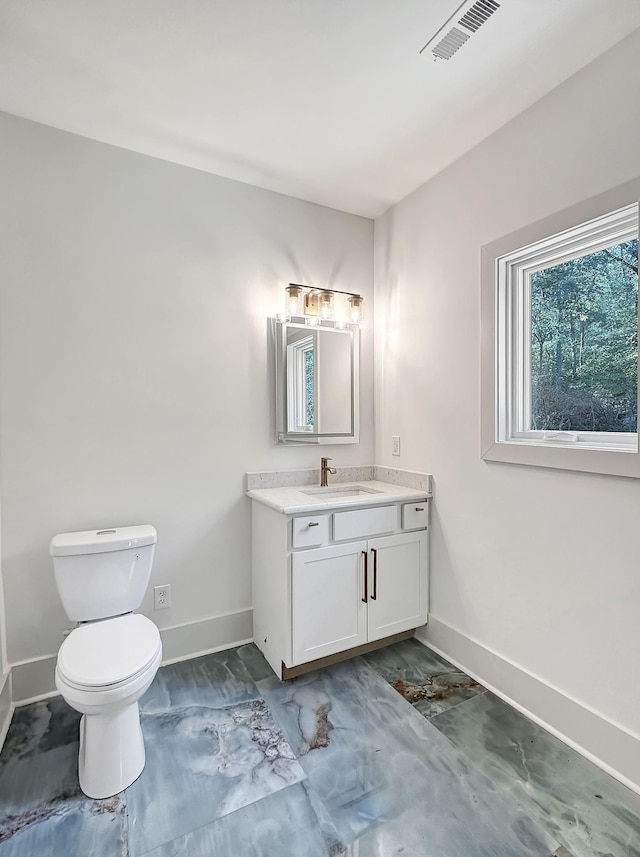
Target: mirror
{"points": [[317, 383]]}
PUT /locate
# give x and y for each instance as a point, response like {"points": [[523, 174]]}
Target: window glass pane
{"points": [[584, 343], [308, 386]]}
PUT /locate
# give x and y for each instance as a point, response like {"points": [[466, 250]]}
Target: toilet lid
{"points": [[110, 651]]}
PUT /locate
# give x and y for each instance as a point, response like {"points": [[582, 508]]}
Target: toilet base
{"points": [[111, 753]]}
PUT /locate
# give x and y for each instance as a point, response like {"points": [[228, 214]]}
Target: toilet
{"points": [[110, 659]]}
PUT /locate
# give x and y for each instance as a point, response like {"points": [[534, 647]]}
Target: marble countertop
{"points": [[292, 500]]}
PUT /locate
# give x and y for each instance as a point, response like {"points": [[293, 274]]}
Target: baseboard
{"points": [[607, 744], [209, 635], [6, 706], [35, 679]]}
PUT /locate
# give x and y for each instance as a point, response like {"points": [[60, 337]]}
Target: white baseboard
{"points": [[607, 744], [6, 706], [34, 680], [209, 635]]}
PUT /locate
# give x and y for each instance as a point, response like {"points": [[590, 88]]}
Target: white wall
{"points": [[3, 627], [136, 381], [538, 566], [5, 675]]}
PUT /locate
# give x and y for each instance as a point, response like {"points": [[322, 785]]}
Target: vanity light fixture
{"points": [[320, 305]]}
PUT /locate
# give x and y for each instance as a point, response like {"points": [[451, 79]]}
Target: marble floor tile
{"points": [[40, 727], [203, 763], [79, 829], [387, 775], [423, 678], [284, 824], [33, 788], [214, 681], [255, 662], [588, 812], [42, 810], [333, 764]]}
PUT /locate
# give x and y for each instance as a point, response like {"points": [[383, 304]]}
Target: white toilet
{"points": [[108, 661]]}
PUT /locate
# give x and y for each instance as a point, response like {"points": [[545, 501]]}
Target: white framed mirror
{"points": [[317, 382]]}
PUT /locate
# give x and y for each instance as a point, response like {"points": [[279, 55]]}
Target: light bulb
{"points": [[294, 300], [355, 309], [326, 304]]}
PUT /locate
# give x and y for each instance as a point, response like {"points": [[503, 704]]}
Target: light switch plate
{"points": [[395, 444]]}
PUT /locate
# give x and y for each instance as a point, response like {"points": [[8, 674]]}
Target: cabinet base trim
{"points": [[329, 660]]}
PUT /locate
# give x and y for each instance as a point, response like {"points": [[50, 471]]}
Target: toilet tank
{"points": [[102, 573]]}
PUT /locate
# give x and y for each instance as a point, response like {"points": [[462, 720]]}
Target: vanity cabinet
{"points": [[337, 580]]}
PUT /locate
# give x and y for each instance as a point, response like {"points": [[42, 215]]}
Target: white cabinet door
{"points": [[327, 592], [398, 584]]}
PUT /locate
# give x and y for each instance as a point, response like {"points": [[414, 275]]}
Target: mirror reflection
{"points": [[317, 374]]}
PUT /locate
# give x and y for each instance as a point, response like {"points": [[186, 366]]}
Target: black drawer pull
{"points": [[314, 524], [419, 508]]}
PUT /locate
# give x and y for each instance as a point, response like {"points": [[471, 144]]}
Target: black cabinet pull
{"points": [[419, 508], [374, 594], [366, 576], [317, 524]]}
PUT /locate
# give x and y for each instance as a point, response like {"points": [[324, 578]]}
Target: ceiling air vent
{"points": [[465, 21]]}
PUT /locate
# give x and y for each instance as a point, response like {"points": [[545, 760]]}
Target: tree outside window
{"points": [[584, 343]]}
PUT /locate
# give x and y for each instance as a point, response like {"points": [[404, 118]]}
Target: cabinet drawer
{"points": [[415, 515], [310, 531], [364, 522]]}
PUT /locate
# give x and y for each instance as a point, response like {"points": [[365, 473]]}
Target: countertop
{"points": [[293, 500]]}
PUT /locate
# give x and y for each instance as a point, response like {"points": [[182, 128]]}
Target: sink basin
{"points": [[335, 492]]}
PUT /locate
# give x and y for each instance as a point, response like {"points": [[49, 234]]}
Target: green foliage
{"points": [[308, 386], [584, 343]]}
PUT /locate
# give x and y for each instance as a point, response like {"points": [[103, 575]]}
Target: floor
{"points": [[394, 753]]}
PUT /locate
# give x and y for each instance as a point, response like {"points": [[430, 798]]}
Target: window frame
{"points": [[296, 371], [507, 266]]}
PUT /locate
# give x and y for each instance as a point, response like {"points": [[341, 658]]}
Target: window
{"points": [[561, 386], [300, 367], [582, 366], [568, 309]]}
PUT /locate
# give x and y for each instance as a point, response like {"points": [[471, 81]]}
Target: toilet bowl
{"points": [[102, 671], [108, 661]]}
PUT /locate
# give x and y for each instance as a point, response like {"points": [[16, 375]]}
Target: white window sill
{"points": [[579, 456], [628, 447]]}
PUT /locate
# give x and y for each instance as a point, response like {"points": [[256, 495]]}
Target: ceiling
{"points": [[326, 100]]}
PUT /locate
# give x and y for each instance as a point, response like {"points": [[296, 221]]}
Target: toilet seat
{"points": [[110, 653]]}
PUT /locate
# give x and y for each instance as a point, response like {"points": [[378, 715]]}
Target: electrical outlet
{"points": [[162, 597], [395, 444]]}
